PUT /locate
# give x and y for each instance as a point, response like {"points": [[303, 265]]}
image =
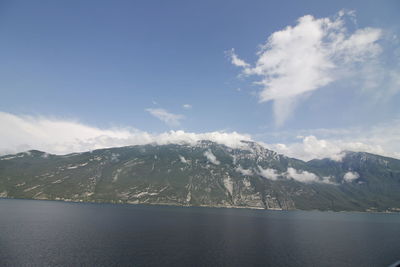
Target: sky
{"points": [[308, 79]]}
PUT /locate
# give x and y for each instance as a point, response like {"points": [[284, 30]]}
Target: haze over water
{"points": [[72, 234]]}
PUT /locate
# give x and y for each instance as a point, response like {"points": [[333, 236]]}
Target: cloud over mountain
{"points": [[211, 157], [382, 139], [60, 136]]}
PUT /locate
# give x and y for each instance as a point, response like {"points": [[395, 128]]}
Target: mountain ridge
{"points": [[206, 174]]}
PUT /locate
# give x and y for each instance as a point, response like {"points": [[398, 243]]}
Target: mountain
{"points": [[205, 174]]}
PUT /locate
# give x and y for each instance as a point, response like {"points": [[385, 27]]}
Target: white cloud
{"points": [[350, 176], [382, 139], [313, 148], [182, 159], [60, 136], [169, 118], [247, 172], [235, 60], [211, 157], [291, 173], [308, 56], [268, 173], [302, 176], [187, 106], [310, 148], [327, 180], [115, 157]]}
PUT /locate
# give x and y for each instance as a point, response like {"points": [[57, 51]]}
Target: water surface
{"points": [[42, 233]]}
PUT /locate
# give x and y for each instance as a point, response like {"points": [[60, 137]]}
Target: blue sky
{"points": [[114, 65]]}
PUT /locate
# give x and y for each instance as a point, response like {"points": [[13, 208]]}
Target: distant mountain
{"points": [[206, 174]]}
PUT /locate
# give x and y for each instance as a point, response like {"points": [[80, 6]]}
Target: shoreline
{"points": [[198, 206]]}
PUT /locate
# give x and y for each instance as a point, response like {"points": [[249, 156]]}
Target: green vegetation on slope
{"points": [[251, 177]]}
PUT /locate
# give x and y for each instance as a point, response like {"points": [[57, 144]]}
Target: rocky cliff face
{"points": [[207, 174]]}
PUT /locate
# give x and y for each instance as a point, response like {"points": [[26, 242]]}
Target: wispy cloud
{"points": [[182, 159], [268, 173], [302, 176], [292, 173], [187, 106], [306, 57], [248, 172], [211, 157], [172, 120], [235, 60]]}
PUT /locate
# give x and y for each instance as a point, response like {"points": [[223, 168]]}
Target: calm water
{"points": [[40, 233]]}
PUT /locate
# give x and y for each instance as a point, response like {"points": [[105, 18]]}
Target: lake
{"points": [[42, 233]]}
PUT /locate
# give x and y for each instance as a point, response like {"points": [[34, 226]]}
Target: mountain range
{"points": [[205, 174]]}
